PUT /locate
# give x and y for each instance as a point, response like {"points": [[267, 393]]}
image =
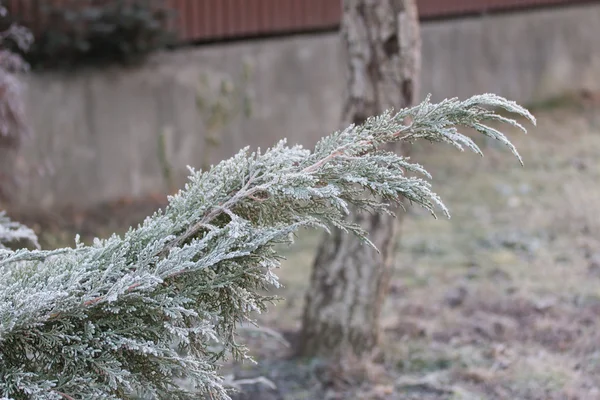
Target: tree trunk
{"points": [[350, 280]]}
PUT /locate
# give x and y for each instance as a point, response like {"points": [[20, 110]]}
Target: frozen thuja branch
{"points": [[13, 233], [99, 321]]}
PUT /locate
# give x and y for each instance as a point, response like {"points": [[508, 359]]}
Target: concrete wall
{"points": [[98, 131]]}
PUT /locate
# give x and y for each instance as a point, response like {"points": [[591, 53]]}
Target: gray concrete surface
{"points": [[97, 131]]}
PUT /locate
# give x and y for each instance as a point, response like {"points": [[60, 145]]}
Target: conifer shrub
{"points": [[72, 33], [99, 321]]}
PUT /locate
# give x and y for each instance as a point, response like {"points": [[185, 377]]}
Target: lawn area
{"points": [[502, 301]]}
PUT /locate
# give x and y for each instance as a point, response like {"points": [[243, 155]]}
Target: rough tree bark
{"points": [[349, 281]]}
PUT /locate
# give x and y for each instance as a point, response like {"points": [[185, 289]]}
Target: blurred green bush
{"points": [[91, 32]]}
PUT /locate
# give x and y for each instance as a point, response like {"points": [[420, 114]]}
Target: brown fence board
{"points": [[200, 20], [440, 8]]}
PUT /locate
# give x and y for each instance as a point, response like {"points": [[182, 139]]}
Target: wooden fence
{"points": [[208, 20]]}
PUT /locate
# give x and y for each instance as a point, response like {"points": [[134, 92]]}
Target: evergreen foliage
{"points": [[12, 233], [72, 33], [99, 321]]}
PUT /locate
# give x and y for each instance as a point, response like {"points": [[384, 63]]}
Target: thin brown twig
{"points": [[66, 396]]}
